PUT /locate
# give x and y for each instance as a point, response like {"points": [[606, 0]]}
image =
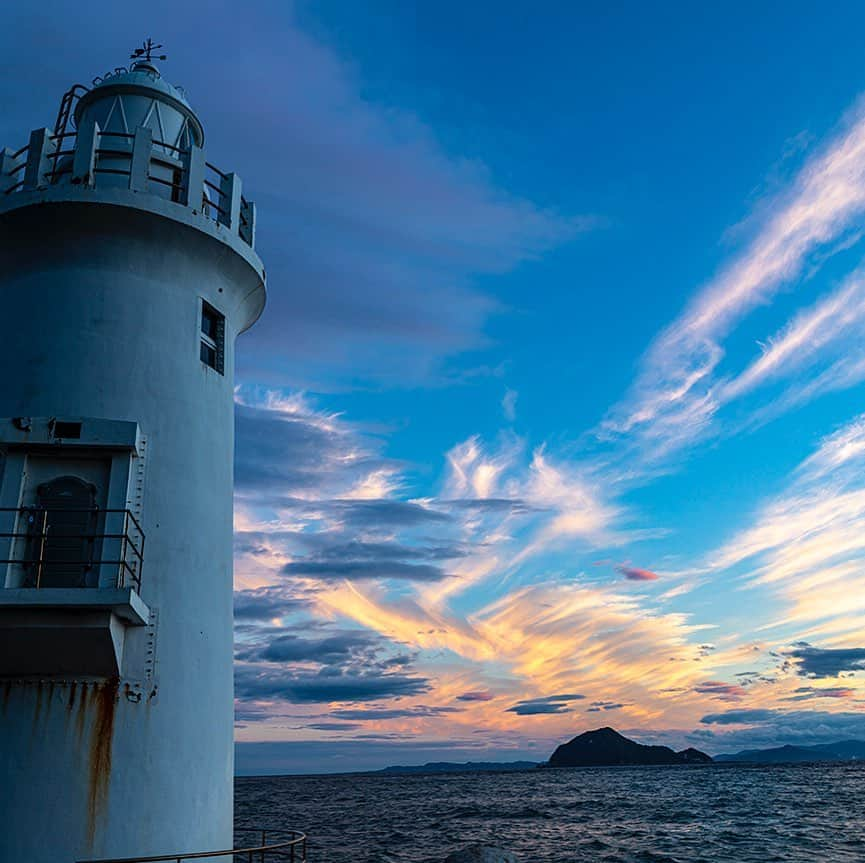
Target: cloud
{"points": [[806, 693], [758, 728], [635, 574], [827, 662], [721, 691], [545, 705], [810, 332], [333, 665], [598, 706], [266, 603], [806, 545], [354, 569], [375, 714], [374, 233], [476, 695], [292, 648], [285, 446], [509, 405], [678, 390], [308, 687], [740, 717]]}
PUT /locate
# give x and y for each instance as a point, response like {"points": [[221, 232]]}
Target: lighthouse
{"points": [[127, 270]]}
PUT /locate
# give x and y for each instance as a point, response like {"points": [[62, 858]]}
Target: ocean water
{"points": [[711, 813]]}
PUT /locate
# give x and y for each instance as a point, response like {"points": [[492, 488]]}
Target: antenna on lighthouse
{"points": [[145, 52]]}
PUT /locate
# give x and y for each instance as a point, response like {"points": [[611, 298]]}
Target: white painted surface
{"points": [[100, 293]]}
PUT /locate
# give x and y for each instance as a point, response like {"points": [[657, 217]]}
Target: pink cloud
{"points": [[634, 573], [719, 689]]}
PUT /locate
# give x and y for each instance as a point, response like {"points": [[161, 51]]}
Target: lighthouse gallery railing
{"points": [[288, 850], [44, 547], [134, 160]]}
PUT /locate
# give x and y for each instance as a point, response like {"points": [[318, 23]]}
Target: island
{"points": [[605, 747]]}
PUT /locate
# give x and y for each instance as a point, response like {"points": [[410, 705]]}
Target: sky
{"points": [[555, 417]]}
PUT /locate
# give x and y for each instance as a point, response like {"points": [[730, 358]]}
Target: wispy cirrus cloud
{"points": [[680, 387], [806, 547]]}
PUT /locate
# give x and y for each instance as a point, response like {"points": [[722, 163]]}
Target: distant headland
{"points": [[605, 747], [843, 750]]}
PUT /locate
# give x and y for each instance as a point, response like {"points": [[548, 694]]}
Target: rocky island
{"points": [[606, 747]]}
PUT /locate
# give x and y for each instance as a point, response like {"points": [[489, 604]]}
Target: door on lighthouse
{"points": [[65, 539]]}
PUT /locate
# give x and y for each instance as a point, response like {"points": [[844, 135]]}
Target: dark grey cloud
{"points": [[259, 682], [244, 712], [325, 548], [545, 705], [515, 506], [742, 729], [291, 450], [597, 706], [333, 665], [361, 569], [807, 693], [266, 603], [361, 514], [827, 662], [292, 648], [383, 713], [476, 695], [736, 717], [334, 726]]}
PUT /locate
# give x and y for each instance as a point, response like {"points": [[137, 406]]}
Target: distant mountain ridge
{"points": [[605, 747], [843, 750], [464, 767]]}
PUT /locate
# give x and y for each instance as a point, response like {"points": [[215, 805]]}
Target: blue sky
{"points": [[554, 417]]}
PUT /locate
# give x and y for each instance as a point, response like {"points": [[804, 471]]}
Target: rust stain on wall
{"points": [[103, 698], [82, 712]]}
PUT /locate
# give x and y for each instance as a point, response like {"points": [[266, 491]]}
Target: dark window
{"points": [[212, 351]]}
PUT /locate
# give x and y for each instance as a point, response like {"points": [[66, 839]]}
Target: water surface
{"points": [[712, 813]]}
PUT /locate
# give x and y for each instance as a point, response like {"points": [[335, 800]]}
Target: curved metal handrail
{"points": [[298, 840]]}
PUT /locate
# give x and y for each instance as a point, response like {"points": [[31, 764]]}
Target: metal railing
{"points": [[166, 167], [44, 545], [290, 850]]}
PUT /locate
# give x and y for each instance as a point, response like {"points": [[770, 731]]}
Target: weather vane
{"points": [[145, 52]]}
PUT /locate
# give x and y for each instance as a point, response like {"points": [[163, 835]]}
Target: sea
{"points": [[682, 814]]}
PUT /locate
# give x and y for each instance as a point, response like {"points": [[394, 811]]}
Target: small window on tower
{"points": [[212, 338]]}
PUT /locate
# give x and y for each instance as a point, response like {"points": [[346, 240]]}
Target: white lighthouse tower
{"points": [[127, 269]]}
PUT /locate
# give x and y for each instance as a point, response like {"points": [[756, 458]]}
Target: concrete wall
{"points": [[99, 317]]}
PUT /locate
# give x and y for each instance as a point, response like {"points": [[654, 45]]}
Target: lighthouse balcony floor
{"points": [[70, 590], [66, 631]]}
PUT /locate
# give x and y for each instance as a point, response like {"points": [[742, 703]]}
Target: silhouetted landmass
{"points": [[606, 747], [465, 767], [843, 750]]}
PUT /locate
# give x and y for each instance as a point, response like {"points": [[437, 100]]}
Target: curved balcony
{"points": [[92, 158]]}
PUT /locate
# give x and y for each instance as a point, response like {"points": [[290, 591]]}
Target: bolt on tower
{"points": [[127, 270]]}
